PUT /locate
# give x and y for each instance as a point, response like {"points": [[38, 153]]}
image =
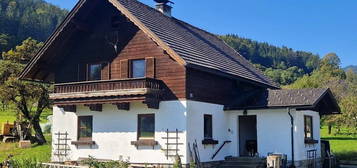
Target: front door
{"points": [[248, 145]]}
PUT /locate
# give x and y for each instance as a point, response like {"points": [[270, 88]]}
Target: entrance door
{"points": [[248, 145]]}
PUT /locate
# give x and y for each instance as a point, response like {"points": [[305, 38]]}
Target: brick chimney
{"points": [[163, 7]]}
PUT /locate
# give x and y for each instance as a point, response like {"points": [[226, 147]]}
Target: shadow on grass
{"points": [[339, 138], [348, 155]]}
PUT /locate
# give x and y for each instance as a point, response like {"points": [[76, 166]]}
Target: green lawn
{"points": [[343, 146], [40, 153]]}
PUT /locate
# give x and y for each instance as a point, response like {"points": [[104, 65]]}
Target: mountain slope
{"points": [[352, 67], [20, 19], [282, 64]]}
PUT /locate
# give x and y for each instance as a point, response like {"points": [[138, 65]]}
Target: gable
{"points": [[73, 39], [184, 43]]}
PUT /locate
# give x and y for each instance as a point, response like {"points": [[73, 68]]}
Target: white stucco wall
{"points": [[274, 132], [300, 147], [195, 128], [113, 131]]}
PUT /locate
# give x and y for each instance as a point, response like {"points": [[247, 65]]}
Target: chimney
{"points": [[163, 7]]}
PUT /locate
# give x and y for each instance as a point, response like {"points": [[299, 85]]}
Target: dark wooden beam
{"points": [[69, 108], [152, 103], [95, 107], [123, 106]]}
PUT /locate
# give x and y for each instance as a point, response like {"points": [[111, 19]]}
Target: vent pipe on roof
{"points": [[163, 7]]}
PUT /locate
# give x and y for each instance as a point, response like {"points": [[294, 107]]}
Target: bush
{"points": [[25, 163], [47, 128], [93, 163], [177, 163]]}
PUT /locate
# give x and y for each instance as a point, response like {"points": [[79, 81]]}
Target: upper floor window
{"points": [[308, 127], [138, 68], [94, 72], [146, 126], [208, 126], [85, 127]]}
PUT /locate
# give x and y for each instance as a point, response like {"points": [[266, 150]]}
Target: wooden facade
{"points": [[112, 40]]}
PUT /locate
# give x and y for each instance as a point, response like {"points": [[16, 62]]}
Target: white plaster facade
{"points": [[113, 131]]}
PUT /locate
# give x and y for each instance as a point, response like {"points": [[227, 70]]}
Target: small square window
{"points": [[208, 126], [146, 126], [85, 127], [308, 127], [138, 68], [94, 72]]}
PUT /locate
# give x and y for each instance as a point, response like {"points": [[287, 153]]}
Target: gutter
{"points": [[292, 138]]}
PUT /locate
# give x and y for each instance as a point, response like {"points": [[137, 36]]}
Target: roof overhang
{"points": [[325, 104]]}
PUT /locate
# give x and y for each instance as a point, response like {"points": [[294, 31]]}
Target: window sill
{"points": [[83, 142], [209, 142], [311, 141], [144, 142]]}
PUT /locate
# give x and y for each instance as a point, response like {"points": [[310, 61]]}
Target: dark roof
{"points": [[187, 44], [295, 97], [315, 99], [197, 47]]}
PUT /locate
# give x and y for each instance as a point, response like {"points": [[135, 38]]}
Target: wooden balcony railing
{"points": [[92, 86]]}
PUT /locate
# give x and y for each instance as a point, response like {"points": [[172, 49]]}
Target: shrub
{"points": [[177, 163], [47, 128], [93, 163], [25, 163]]}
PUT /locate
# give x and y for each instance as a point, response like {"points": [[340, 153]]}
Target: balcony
{"points": [[108, 91]]}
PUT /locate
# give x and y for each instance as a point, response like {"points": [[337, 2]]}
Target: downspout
{"points": [[292, 138]]}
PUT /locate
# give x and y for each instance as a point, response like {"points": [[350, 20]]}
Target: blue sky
{"points": [[317, 26]]}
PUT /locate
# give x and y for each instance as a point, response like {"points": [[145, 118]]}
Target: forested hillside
{"points": [[20, 19], [282, 64], [351, 67]]}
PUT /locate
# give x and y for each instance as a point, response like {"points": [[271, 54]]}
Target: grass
{"points": [[343, 146], [41, 153]]}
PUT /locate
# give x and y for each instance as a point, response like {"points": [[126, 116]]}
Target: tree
{"points": [[4, 41], [343, 85], [29, 98]]}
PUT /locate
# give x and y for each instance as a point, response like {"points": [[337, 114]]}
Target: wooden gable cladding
{"points": [[211, 88], [124, 69], [150, 67], [159, 65], [105, 73]]}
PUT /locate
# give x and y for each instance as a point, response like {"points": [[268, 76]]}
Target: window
{"points": [[308, 127], [207, 126], [138, 68], [146, 126], [94, 72], [85, 127]]}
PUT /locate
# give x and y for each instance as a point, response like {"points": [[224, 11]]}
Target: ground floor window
{"points": [[146, 126], [308, 127], [207, 126], [85, 127]]}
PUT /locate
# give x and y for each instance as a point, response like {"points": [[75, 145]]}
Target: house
{"points": [[136, 83]]}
